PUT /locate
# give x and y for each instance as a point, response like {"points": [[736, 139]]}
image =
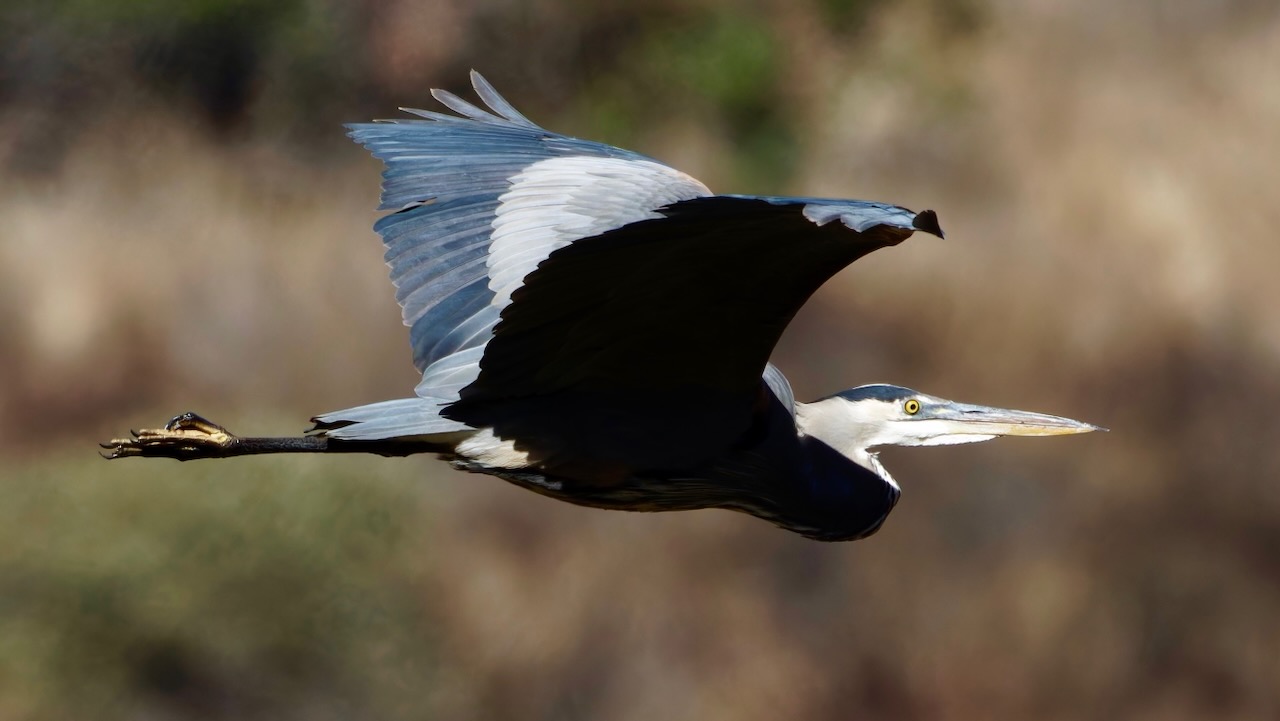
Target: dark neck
{"points": [[850, 500]]}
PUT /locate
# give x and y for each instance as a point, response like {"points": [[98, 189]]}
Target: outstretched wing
{"points": [[664, 326], [561, 289], [481, 198]]}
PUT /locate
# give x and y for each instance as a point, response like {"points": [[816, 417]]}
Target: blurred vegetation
{"points": [[185, 227], [211, 594]]}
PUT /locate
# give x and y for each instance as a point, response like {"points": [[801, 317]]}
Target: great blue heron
{"points": [[596, 326]]}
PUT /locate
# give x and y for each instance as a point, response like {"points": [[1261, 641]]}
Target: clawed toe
{"points": [[193, 422], [185, 437]]}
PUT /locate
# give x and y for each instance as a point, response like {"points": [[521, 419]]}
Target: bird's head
{"points": [[862, 418]]}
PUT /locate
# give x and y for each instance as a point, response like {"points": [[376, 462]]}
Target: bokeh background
{"points": [[183, 226]]}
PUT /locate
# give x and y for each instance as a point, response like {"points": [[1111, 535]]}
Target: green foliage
{"points": [[732, 61], [270, 586], [843, 16], [722, 66], [235, 64], [146, 15]]}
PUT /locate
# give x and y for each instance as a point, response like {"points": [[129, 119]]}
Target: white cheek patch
{"points": [[559, 200]]}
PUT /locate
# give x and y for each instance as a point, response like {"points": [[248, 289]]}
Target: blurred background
{"points": [[183, 226]]}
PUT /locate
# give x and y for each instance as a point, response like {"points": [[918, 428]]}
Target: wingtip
{"points": [[927, 220]]}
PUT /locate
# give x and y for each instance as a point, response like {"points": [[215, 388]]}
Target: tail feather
{"points": [[403, 418]]}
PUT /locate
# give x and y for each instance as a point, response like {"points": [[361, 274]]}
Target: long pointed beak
{"points": [[985, 420]]}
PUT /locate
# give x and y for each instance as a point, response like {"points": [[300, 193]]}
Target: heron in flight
{"points": [[596, 326]]}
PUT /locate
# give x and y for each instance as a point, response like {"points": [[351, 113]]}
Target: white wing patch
{"points": [[559, 200]]}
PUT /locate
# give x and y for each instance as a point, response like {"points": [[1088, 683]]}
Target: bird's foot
{"points": [[186, 437]]}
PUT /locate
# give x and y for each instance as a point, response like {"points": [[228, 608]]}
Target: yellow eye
{"points": [[912, 407]]}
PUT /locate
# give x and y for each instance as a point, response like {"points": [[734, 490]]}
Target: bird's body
{"points": [[596, 326], [772, 470]]}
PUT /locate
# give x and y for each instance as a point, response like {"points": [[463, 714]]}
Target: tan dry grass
{"points": [[157, 263]]}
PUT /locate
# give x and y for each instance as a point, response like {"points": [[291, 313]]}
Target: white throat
{"points": [[838, 424]]}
